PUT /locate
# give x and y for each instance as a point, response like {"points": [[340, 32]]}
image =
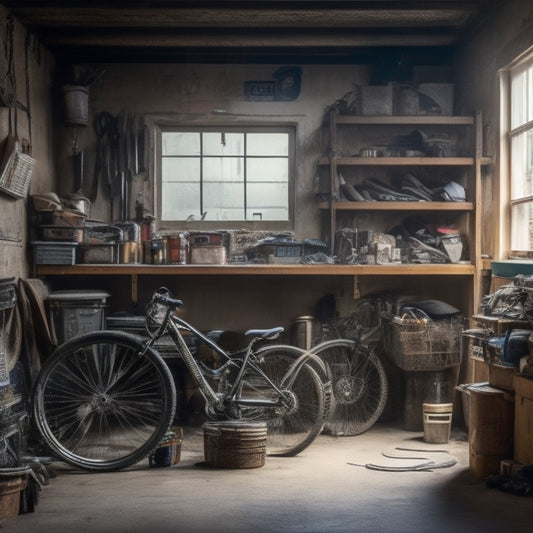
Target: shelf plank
{"points": [[256, 270], [398, 206], [398, 161], [401, 120]]}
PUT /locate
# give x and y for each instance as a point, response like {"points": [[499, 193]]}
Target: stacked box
{"points": [[523, 429]]}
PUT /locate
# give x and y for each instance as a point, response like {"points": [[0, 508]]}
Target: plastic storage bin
{"points": [[54, 252], [74, 312]]}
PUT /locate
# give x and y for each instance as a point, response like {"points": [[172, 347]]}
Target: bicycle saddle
{"points": [[264, 333]]}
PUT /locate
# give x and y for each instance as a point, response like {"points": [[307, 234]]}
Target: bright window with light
{"points": [[226, 174], [521, 157]]}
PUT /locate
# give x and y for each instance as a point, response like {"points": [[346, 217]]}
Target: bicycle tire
{"points": [[359, 383], [290, 431], [101, 407]]}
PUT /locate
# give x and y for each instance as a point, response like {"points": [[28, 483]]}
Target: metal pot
{"points": [[77, 202]]}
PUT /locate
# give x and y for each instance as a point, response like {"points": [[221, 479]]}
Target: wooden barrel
{"points": [[490, 434], [235, 444]]}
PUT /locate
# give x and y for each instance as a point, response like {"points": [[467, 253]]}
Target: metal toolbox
{"points": [[208, 238], [61, 233], [209, 248], [101, 234], [98, 253], [208, 255], [64, 218]]}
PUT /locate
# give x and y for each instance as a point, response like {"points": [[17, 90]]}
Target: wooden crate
{"points": [[502, 377], [523, 430], [500, 325], [490, 432]]}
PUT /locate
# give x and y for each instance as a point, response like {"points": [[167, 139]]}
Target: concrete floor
{"points": [[317, 491]]}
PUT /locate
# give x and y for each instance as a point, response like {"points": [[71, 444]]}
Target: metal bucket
{"points": [[76, 105]]}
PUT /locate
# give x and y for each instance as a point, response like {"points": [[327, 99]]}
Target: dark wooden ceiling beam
{"points": [[247, 38], [95, 27], [258, 18]]}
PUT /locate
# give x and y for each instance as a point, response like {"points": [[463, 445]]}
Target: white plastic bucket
{"points": [[437, 422]]}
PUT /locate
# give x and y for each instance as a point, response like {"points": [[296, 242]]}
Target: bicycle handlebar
{"points": [[164, 296]]}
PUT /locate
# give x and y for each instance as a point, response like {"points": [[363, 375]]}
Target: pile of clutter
{"points": [[284, 249], [514, 347], [60, 218], [408, 189], [66, 235], [414, 241]]}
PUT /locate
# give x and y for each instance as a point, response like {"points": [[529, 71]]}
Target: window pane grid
{"points": [[521, 157], [238, 175]]}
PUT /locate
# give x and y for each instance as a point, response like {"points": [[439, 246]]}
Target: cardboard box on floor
{"points": [[523, 428]]}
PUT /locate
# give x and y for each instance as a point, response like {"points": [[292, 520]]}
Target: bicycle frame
{"points": [[215, 400]]}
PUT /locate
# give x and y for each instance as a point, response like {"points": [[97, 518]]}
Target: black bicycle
{"points": [[104, 400]]}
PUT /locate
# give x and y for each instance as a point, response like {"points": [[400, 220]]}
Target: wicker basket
{"points": [[416, 345], [235, 444], [16, 171]]}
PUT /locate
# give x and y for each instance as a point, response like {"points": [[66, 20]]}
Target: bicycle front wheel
{"points": [[294, 425], [359, 383], [100, 405]]}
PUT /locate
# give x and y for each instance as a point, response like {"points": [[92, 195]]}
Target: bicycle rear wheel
{"points": [[101, 406], [359, 384], [294, 426]]}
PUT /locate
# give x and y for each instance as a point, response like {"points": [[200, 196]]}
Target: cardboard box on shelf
{"points": [[502, 377]]}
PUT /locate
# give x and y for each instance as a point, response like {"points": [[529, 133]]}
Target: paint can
{"points": [[169, 450]]}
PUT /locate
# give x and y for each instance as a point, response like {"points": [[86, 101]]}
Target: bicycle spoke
{"points": [[359, 386], [101, 406], [294, 424]]}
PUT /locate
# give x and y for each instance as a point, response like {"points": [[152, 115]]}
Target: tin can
{"points": [[178, 249], [129, 252], [131, 230], [147, 252], [147, 228], [158, 251], [169, 450]]}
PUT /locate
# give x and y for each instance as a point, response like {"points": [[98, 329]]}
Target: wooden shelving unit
{"points": [[134, 271], [465, 272], [347, 134]]}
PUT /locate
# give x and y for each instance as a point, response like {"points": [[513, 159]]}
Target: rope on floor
{"points": [[413, 468], [430, 465]]}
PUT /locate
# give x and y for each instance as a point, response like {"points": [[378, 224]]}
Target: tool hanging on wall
{"points": [[120, 157], [138, 145], [8, 84], [77, 163], [120, 175], [103, 127]]}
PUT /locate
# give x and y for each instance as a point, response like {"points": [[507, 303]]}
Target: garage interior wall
{"points": [[32, 120], [190, 93], [495, 44]]}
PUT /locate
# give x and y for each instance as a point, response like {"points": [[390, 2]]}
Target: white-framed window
{"points": [[226, 174], [520, 150]]}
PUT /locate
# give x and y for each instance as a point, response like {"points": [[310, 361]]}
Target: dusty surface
{"points": [[317, 491]]}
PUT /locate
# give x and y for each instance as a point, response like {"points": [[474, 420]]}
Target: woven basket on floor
{"points": [[235, 444]]}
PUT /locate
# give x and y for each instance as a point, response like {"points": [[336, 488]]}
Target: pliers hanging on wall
{"points": [[103, 126]]}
